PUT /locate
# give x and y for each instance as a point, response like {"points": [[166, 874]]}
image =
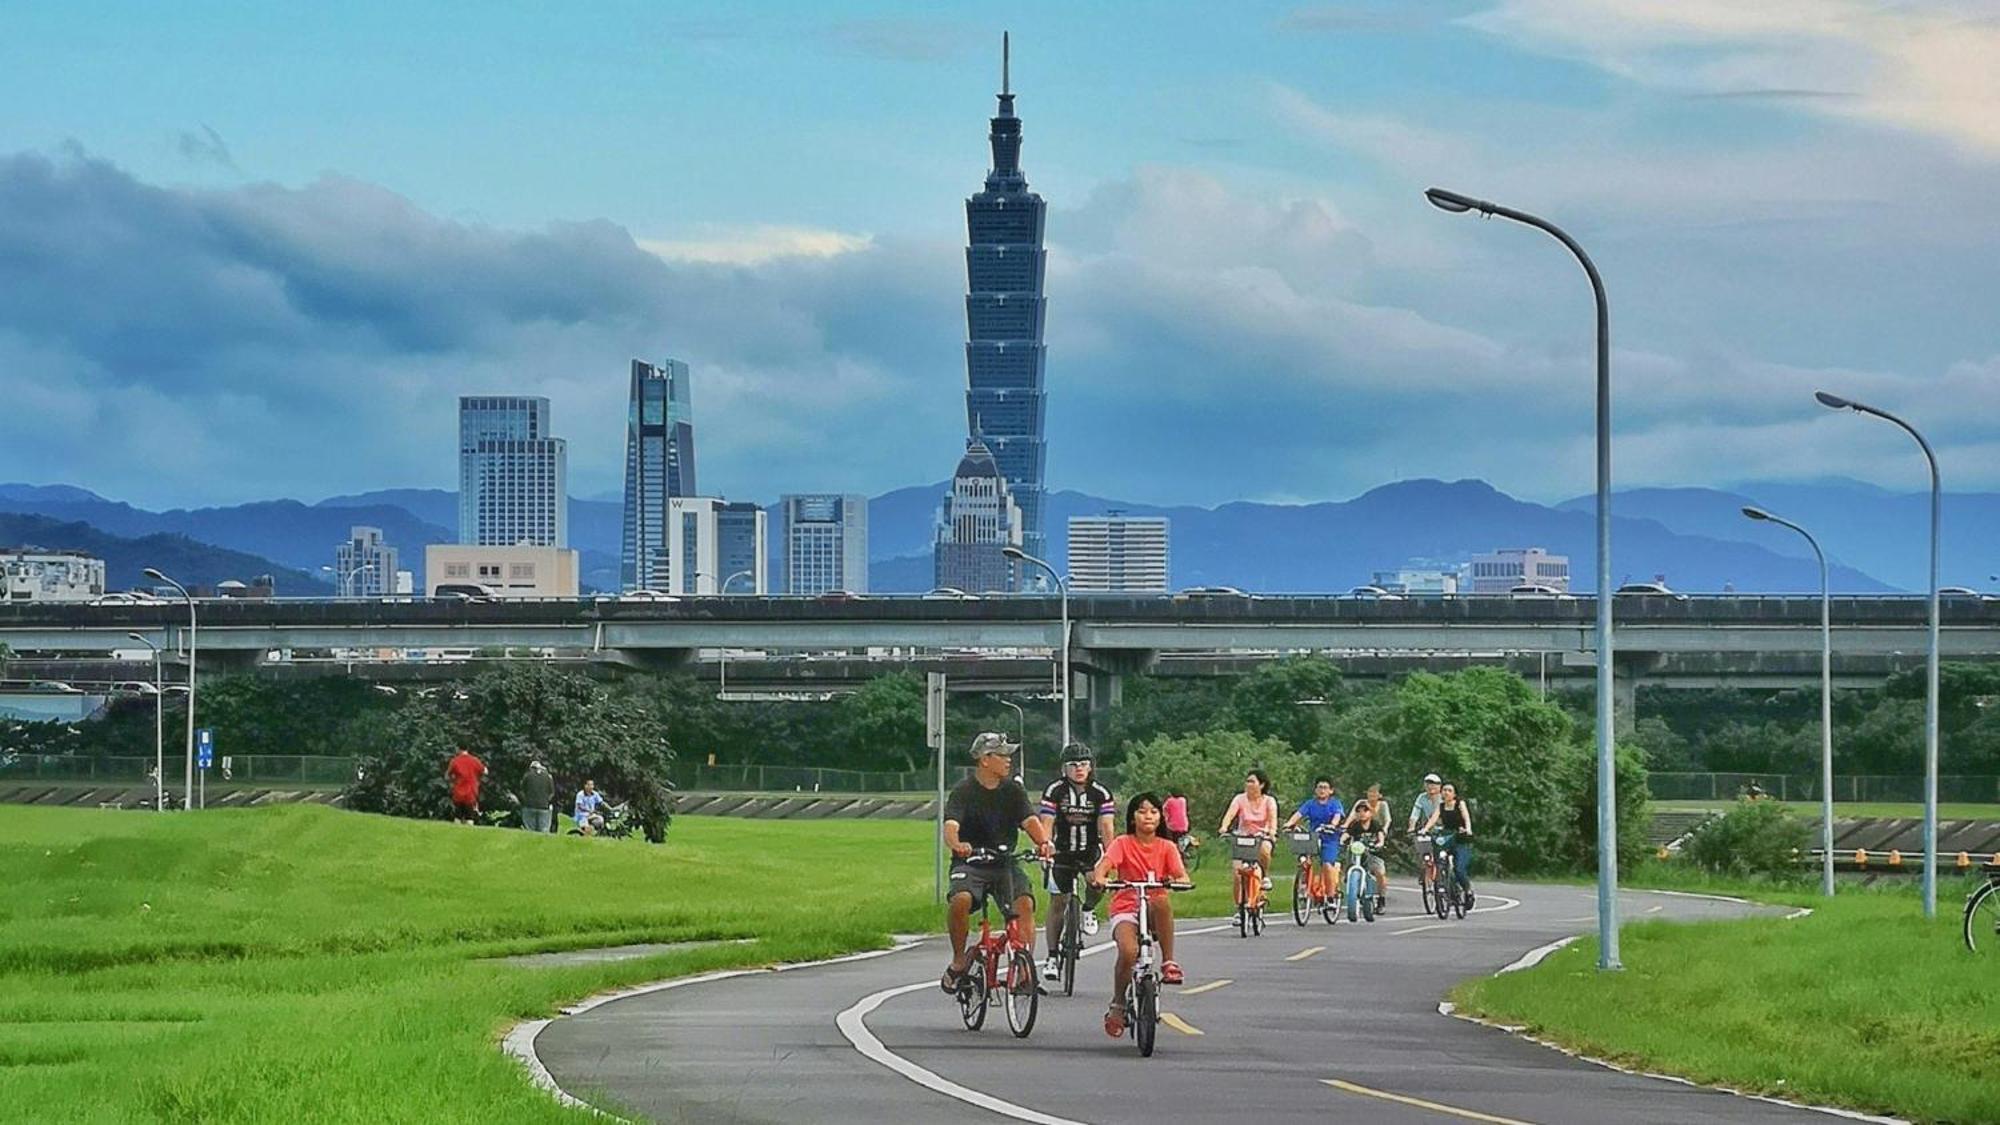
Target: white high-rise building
{"points": [[1508, 567], [364, 566], [826, 543], [35, 575], [1118, 554], [513, 486], [714, 543], [978, 522]]}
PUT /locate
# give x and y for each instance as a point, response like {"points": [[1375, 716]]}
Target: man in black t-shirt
{"points": [[1078, 809], [983, 815]]}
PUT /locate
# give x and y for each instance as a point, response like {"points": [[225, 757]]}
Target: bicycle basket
{"points": [[1245, 847], [1302, 842]]}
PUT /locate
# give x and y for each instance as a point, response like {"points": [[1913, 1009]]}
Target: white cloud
{"points": [[753, 245]]}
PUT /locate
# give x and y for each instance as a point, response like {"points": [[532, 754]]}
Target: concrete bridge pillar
{"points": [[649, 659], [1627, 670]]}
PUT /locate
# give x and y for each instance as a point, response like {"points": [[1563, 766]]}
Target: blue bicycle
{"points": [[1360, 887]]}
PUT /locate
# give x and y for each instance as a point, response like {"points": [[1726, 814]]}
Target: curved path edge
{"points": [[1535, 957]]}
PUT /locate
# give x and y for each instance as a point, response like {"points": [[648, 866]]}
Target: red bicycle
{"points": [[999, 963]]}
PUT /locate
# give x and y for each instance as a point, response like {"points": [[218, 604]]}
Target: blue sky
{"points": [[247, 251]]}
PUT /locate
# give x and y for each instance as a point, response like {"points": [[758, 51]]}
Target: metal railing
{"points": [[1969, 789], [245, 769]]}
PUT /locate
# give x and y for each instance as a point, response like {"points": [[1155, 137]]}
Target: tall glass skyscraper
{"points": [[659, 465], [1004, 309], [513, 478]]}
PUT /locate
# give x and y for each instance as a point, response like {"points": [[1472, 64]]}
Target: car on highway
{"points": [[1374, 594], [838, 597], [647, 596], [1656, 589], [462, 591], [1537, 590], [950, 594], [1198, 593], [1957, 592], [122, 597]]}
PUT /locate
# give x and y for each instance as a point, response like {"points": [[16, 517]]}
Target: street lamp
{"points": [[1825, 701], [187, 794], [1836, 402], [159, 727], [343, 580], [1020, 556], [1607, 807], [750, 574], [1020, 737], [722, 654]]}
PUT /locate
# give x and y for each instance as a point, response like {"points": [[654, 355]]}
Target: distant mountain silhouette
{"points": [[1886, 534], [125, 559]]}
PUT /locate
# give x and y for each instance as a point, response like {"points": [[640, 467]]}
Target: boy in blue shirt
{"points": [[1322, 811]]}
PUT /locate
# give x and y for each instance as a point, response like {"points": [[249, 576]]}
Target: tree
{"points": [[1292, 700], [1209, 767], [887, 717]]}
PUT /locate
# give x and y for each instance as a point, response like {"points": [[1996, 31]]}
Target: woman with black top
{"points": [[1454, 818]]}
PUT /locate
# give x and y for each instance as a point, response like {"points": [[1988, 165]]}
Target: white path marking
{"points": [[1435, 1107], [1211, 986], [1419, 929], [1307, 952]]}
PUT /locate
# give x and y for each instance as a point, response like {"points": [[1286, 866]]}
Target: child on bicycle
{"points": [[1323, 809], [1140, 854]]}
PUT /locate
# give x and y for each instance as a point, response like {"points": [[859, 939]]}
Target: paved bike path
{"points": [[1362, 1011]]}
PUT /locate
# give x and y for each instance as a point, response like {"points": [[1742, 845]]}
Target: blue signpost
{"points": [[204, 751]]}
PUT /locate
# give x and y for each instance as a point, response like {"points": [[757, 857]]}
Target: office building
{"points": [[512, 476], [978, 521], [659, 465], [364, 566], [825, 543], [1118, 554], [1004, 312], [1508, 567], [716, 544], [1417, 580], [506, 572], [35, 575]]}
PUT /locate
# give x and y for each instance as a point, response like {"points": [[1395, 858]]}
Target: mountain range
{"points": [[1696, 538], [126, 558]]}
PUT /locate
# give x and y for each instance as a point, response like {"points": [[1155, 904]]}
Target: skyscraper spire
{"points": [[1006, 87]]}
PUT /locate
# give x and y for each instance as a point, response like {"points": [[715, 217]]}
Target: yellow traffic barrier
{"points": [[1895, 858], [1861, 857], [1964, 861], [1662, 853]]}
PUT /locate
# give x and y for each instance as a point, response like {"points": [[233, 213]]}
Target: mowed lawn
{"points": [[1862, 1004], [301, 964]]}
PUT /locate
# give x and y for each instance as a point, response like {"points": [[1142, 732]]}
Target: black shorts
{"points": [[1067, 870], [465, 812], [1006, 882]]}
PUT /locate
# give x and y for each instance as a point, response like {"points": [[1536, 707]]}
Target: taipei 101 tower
{"points": [[1005, 399]]}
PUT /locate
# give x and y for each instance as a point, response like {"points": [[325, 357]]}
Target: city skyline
{"points": [[289, 299]]}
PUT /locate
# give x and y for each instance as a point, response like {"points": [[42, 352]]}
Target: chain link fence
{"points": [[244, 769], [1794, 787]]}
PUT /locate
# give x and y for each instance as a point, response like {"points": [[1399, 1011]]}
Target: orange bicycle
{"points": [[1312, 892], [1247, 854]]}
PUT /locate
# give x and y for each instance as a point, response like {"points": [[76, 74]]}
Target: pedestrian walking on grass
{"points": [[538, 794], [464, 771]]}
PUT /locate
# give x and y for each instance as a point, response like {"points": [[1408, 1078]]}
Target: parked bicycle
{"points": [[1245, 852], [1312, 891], [1142, 996], [999, 963], [1448, 899], [1982, 912]]}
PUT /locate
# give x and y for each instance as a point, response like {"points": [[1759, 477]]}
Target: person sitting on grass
{"points": [[589, 804], [1141, 854]]}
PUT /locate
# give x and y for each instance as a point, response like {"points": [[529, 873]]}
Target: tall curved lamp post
{"points": [[343, 581], [1020, 556], [1020, 736], [1835, 402], [187, 794], [1825, 701], [159, 726], [1607, 806]]}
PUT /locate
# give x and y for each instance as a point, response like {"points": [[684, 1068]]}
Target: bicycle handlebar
{"points": [[1144, 885]]}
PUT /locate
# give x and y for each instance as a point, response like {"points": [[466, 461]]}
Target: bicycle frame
{"points": [[1142, 993]]}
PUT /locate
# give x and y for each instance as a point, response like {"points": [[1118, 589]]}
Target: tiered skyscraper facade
{"points": [[979, 520], [1004, 306], [513, 478], [659, 466]]}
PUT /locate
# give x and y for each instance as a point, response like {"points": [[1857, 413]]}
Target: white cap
{"points": [[1433, 779]]}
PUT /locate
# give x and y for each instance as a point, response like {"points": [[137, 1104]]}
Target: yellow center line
{"points": [[1178, 1024], [1420, 929], [1467, 1114], [1305, 953], [1211, 986]]}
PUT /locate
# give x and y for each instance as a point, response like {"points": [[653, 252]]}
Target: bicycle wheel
{"points": [[1982, 918], [1429, 893], [1022, 996], [1301, 897], [1191, 859], [1257, 920], [1145, 1013], [972, 996], [1458, 900], [1367, 903], [1242, 907], [1072, 944], [1441, 895]]}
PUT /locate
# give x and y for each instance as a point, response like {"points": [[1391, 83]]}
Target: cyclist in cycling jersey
{"points": [[1377, 867], [1077, 811], [1254, 812], [1140, 854], [1323, 809], [984, 813], [1453, 822]]}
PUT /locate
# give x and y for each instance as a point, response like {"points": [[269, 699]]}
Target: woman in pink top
{"points": [[1254, 812], [1176, 815]]}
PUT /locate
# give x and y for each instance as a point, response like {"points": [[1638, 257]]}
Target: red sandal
{"points": [[1170, 973]]}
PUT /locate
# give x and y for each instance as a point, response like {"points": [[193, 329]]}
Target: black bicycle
{"points": [[1449, 898], [1982, 912], [1142, 997], [1069, 935]]}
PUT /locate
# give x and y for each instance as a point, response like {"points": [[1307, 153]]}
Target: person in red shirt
{"points": [[1140, 854], [464, 771]]}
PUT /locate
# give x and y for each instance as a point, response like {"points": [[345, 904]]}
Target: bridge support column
{"points": [[1628, 668], [648, 659], [213, 660]]}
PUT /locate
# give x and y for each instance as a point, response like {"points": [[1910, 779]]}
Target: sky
{"points": [[259, 250]]}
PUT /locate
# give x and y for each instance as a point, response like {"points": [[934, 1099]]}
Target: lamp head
{"points": [[1833, 402], [1013, 552], [1455, 203], [140, 639], [1756, 513], [155, 575]]}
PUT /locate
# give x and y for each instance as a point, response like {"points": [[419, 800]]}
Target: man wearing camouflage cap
{"points": [[982, 819]]}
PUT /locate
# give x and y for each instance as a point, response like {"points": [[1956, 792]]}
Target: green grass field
{"points": [[1946, 810], [1862, 1004]]}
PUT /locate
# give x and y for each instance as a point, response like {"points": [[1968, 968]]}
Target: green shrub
{"points": [[1754, 838], [1209, 768]]}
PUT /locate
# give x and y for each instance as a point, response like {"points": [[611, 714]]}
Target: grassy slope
{"points": [[1862, 1004]]}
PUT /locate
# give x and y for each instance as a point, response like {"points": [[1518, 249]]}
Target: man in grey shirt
{"points": [[1420, 813], [538, 791]]}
